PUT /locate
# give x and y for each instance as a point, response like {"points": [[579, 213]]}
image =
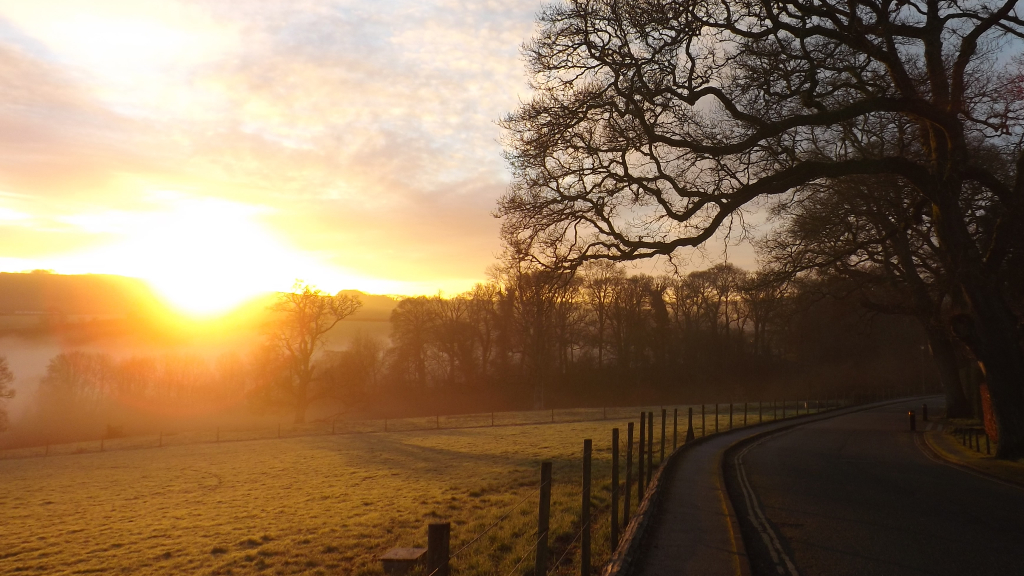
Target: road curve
{"points": [[694, 529], [857, 495]]}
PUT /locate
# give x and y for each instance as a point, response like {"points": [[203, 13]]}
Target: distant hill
{"points": [[87, 307], [84, 294]]}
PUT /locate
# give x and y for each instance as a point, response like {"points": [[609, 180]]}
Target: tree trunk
{"points": [[994, 340], [944, 356]]}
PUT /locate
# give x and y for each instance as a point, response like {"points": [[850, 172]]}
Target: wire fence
{"points": [[338, 426]]}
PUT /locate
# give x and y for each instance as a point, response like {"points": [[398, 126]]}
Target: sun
{"points": [[204, 256]]}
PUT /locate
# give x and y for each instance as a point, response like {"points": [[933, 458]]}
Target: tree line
{"points": [[527, 339]]}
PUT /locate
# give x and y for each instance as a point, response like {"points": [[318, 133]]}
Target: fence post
{"points": [[661, 457], [744, 414], [640, 459], [615, 488], [759, 417], [783, 409], [675, 428], [629, 474], [438, 540], [730, 415], [703, 429], [924, 412], [689, 425], [988, 445], [585, 513], [541, 563], [716, 417], [775, 410], [650, 446]]}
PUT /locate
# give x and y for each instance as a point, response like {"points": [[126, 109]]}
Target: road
{"points": [[855, 495]]}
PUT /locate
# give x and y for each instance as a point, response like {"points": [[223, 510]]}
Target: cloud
{"points": [[365, 130]]}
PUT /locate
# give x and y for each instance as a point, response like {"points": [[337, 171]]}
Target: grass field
{"points": [[326, 504]]}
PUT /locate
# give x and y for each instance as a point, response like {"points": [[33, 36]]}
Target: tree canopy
{"points": [[657, 124]]}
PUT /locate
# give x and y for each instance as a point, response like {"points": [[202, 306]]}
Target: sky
{"points": [[221, 149], [215, 148]]}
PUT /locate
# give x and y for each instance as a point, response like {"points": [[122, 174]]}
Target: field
{"points": [[325, 504]]}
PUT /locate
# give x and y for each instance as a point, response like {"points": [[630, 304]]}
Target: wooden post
{"points": [[775, 410], [675, 428], [615, 488], [689, 426], [438, 541], [640, 459], [650, 446], [661, 457], [552, 414], [924, 412], [730, 415], [988, 445], [585, 512], [783, 409], [744, 414], [629, 474], [543, 514], [760, 418], [716, 417], [703, 428]]}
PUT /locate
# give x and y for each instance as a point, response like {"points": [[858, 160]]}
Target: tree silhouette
{"points": [[301, 321], [657, 124], [6, 393]]}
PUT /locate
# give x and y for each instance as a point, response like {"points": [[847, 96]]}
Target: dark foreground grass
{"points": [[311, 505]]}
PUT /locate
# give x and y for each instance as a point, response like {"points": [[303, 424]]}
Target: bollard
{"points": [[438, 541], [640, 459], [585, 512], [615, 488], [689, 426], [543, 516], [629, 474], [924, 412], [913, 420]]}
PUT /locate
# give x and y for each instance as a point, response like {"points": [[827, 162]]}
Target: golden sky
{"points": [[221, 149]]}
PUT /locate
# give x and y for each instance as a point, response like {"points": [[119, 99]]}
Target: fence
{"points": [[609, 514]]}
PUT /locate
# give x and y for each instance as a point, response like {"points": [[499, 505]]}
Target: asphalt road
{"points": [[855, 495]]}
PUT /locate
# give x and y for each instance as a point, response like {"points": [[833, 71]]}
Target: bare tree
{"points": [[656, 124], [301, 321], [6, 392]]}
